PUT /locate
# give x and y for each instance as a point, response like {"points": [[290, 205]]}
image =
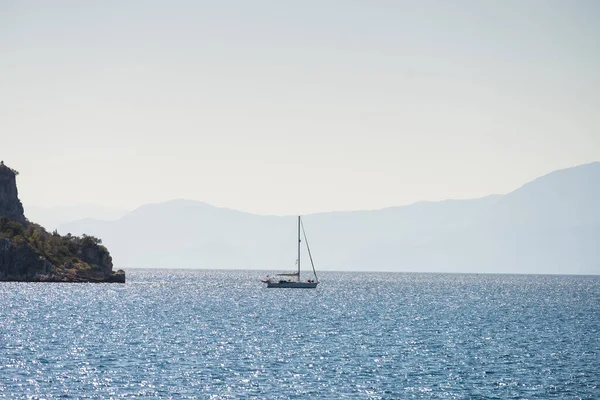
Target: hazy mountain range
{"points": [[550, 225], [53, 217]]}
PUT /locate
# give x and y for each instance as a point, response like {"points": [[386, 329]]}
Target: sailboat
{"points": [[286, 280]]}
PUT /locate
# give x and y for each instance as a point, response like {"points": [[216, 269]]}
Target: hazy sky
{"points": [[282, 107]]}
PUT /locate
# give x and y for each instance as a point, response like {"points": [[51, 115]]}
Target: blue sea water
{"points": [[221, 334]]}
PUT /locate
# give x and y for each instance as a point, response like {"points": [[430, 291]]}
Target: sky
{"points": [[281, 107]]}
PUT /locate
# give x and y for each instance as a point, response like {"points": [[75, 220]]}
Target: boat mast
{"points": [[298, 248], [309, 254]]}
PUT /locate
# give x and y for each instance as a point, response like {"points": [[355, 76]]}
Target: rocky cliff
{"points": [[10, 206], [29, 253]]}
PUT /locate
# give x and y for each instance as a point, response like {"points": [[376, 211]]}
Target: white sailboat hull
{"points": [[297, 285]]}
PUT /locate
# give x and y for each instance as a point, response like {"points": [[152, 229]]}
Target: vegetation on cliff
{"points": [[57, 249], [29, 253]]}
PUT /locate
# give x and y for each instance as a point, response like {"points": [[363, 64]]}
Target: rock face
{"points": [[29, 253], [21, 263], [10, 206]]}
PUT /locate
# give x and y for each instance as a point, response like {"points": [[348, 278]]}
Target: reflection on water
{"points": [[207, 333]]}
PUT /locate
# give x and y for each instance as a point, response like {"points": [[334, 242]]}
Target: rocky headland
{"points": [[28, 253]]}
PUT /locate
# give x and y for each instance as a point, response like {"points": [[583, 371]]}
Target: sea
{"points": [[216, 334]]}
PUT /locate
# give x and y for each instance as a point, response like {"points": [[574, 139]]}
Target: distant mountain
{"points": [[550, 225], [53, 217]]}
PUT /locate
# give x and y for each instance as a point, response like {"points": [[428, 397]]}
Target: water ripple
{"points": [[220, 334]]}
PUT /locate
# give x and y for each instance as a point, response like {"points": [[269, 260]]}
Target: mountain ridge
{"points": [[548, 225]]}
